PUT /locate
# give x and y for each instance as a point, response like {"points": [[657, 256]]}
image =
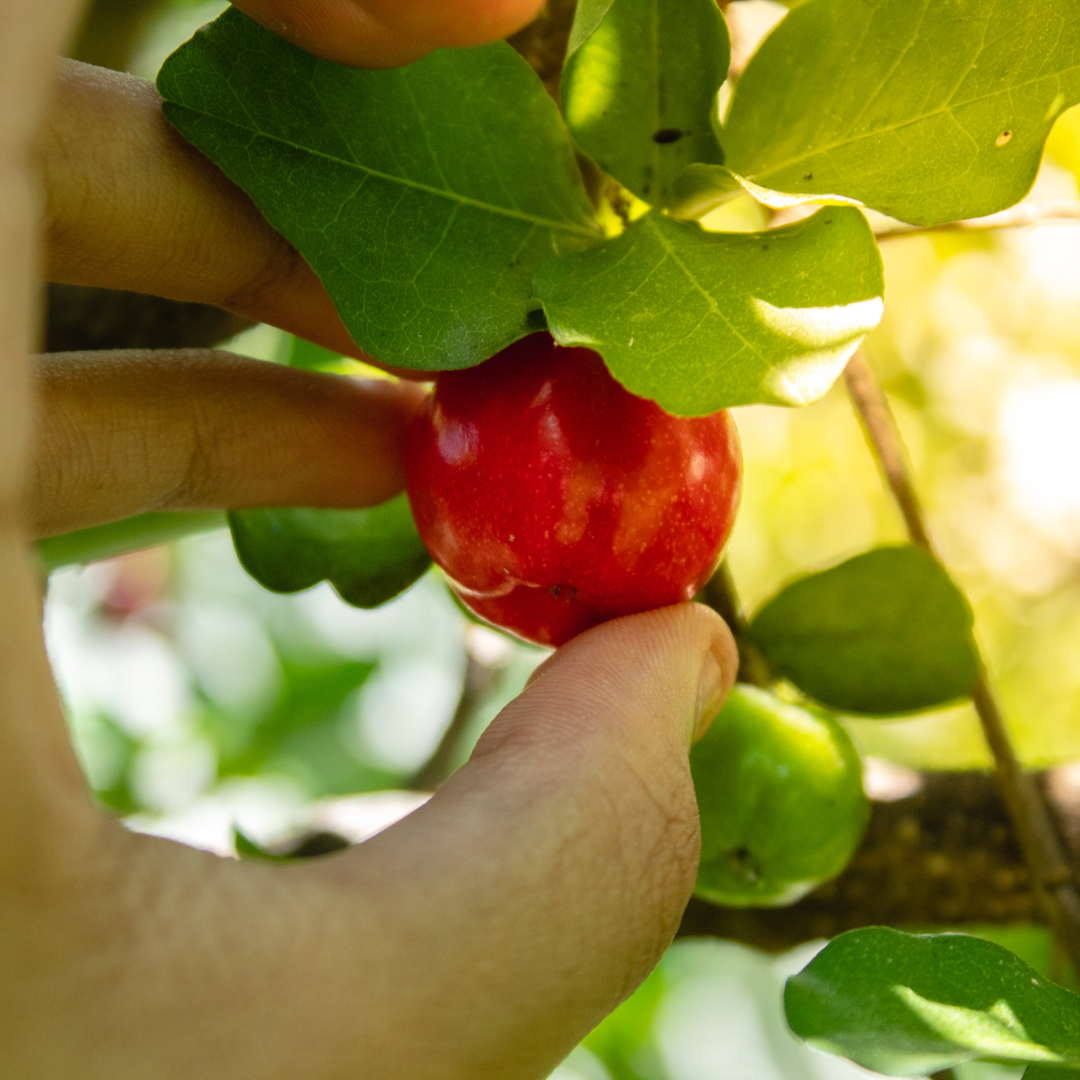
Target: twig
{"points": [[1014, 217], [479, 679], [1051, 872]]}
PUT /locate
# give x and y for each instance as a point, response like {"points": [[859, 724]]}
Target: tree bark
{"points": [[543, 42]]}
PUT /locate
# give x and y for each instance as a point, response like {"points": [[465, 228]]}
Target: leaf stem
{"points": [[122, 537], [1014, 217], [1051, 872]]}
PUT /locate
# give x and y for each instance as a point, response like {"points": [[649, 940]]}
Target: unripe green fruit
{"points": [[780, 794]]}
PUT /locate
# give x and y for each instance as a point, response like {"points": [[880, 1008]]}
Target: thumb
{"points": [[560, 858]]}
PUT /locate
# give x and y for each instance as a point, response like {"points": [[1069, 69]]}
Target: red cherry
{"points": [[554, 499]]}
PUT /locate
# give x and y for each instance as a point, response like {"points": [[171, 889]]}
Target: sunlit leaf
{"points": [[885, 632], [700, 321], [907, 1004], [246, 848], [587, 17], [927, 111], [638, 93], [369, 556], [424, 197], [700, 188]]}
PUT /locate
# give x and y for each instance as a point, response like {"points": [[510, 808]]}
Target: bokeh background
{"points": [[201, 704]]}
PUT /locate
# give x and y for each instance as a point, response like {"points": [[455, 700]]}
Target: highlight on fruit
{"points": [[553, 499]]}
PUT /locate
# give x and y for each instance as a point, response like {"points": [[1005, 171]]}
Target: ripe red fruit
{"points": [[554, 499]]}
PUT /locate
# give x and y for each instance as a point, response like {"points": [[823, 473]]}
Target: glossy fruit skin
{"points": [[781, 800], [554, 499]]}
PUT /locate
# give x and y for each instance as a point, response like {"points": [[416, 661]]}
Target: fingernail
{"points": [[712, 689]]}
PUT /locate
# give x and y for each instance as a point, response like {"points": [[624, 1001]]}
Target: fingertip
{"points": [[389, 33], [673, 666], [339, 30], [719, 669], [457, 24]]}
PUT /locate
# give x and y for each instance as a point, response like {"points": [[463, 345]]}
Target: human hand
{"points": [[388, 33], [130, 205], [481, 937]]}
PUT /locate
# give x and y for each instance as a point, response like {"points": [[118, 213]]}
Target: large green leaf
{"points": [[699, 321], [929, 110], [1050, 1072], [369, 556], [424, 198], [639, 92], [883, 633], [907, 1004]]}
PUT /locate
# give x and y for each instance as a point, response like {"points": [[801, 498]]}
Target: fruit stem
{"points": [[721, 595], [1052, 875]]}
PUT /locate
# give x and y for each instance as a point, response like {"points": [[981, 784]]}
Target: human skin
{"points": [[479, 938]]}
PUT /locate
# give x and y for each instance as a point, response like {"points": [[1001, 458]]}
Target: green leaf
{"points": [[588, 15], [639, 93], [309, 356], [425, 197], [1050, 1072], [911, 1004], [700, 321], [883, 633], [246, 848], [700, 188], [369, 556], [925, 110]]}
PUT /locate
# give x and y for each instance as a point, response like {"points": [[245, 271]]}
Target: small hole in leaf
{"points": [[1003, 138], [667, 135]]}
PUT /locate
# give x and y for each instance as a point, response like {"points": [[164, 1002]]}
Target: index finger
{"points": [[389, 33]]}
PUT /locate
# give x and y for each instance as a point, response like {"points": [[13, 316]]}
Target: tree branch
{"points": [[478, 682], [1051, 871], [944, 856]]}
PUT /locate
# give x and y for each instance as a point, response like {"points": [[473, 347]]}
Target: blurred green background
{"points": [[200, 702]]}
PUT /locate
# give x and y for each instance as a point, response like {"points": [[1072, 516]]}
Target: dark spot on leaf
{"points": [[809, 176], [743, 862], [667, 135], [764, 247], [1003, 138]]}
